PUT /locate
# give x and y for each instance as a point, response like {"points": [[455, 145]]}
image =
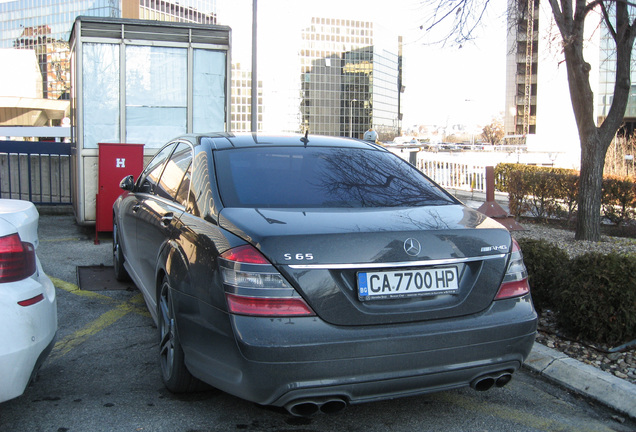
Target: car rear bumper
{"points": [[276, 361], [27, 332]]}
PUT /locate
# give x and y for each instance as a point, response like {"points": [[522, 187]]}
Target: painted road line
{"points": [[134, 305]]}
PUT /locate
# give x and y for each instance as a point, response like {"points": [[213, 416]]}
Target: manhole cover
{"points": [[100, 278]]}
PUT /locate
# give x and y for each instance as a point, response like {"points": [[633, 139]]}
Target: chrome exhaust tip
{"points": [[503, 380], [333, 406], [483, 383], [302, 408], [486, 382], [310, 407]]}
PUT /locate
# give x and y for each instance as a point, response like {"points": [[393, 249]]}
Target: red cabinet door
{"points": [[116, 161]]}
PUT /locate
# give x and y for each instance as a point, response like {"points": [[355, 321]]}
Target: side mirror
{"points": [[127, 183]]}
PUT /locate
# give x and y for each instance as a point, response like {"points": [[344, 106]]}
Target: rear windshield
{"points": [[321, 177]]}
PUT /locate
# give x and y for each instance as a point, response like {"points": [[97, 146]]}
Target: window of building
{"points": [[156, 94]]}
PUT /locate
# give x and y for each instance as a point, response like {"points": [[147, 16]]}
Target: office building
{"points": [[241, 101], [350, 78], [522, 68]]}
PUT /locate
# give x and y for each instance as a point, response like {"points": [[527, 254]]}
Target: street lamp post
{"points": [[254, 100], [351, 117]]}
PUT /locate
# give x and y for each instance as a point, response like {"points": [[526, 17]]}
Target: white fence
{"points": [[454, 175], [452, 170], [466, 170]]}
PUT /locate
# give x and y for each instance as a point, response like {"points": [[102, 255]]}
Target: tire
{"points": [[174, 373], [118, 257]]}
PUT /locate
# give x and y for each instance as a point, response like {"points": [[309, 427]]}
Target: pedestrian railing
{"points": [[452, 174], [39, 172]]}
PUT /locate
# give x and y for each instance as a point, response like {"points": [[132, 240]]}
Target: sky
{"points": [[445, 85]]}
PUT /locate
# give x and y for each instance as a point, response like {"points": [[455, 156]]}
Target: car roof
{"points": [[221, 141]]}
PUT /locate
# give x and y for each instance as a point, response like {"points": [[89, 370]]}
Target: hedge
{"points": [[548, 193], [545, 264], [594, 295]]}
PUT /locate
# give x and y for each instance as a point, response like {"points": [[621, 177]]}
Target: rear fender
{"points": [[173, 264]]}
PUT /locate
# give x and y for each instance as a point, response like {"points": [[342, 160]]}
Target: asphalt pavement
{"points": [[583, 379]]}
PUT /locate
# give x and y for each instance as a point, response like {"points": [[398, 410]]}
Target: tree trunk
{"points": [[588, 221]]}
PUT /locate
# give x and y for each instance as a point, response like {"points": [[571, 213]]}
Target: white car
{"points": [[28, 306]]}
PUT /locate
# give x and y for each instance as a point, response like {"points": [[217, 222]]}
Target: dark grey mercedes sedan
{"points": [[313, 272]]}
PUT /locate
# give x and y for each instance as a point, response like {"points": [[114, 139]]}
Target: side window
{"points": [[184, 189], [174, 173], [150, 176]]}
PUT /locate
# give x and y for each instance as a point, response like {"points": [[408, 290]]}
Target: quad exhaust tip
{"points": [[486, 382], [310, 407]]}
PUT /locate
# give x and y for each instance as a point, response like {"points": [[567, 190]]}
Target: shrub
{"points": [[568, 193], [516, 193], [545, 263], [619, 199], [597, 300], [543, 193]]}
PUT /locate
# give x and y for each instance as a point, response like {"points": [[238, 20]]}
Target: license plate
{"points": [[407, 283]]}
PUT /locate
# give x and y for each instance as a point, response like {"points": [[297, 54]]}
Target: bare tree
{"points": [[570, 17], [493, 133]]}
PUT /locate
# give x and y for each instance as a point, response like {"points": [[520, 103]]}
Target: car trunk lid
{"points": [[458, 254]]}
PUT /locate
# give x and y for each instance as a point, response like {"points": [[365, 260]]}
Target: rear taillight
{"points": [[515, 282], [254, 287], [17, 259], [267, 306]]}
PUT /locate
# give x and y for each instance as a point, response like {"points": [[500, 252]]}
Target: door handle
{"points": [[167, 219]]}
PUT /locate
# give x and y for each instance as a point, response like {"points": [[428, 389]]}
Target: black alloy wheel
{"points": [[174, 373], [118, 257]]}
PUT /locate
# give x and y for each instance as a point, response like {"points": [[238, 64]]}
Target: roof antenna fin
{"points": [[305, 139]]}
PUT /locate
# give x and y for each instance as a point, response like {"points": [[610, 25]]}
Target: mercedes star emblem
{"points": [[412, 247]]}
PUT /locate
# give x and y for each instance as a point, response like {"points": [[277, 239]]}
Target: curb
{"points": [[583, 379]]}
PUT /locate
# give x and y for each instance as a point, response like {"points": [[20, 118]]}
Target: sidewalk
{"points": [[553, 365]]}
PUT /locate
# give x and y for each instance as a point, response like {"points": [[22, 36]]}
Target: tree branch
{"points": [[559, 17], [608, 23], [453, 9], [458, 18]]}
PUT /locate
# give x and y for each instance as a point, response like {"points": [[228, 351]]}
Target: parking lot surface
{"points": [[103, 375]]}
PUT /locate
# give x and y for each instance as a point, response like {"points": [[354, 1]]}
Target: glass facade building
{"points": [[45, 26], [607, 79], [242, 100], [350, 79]]}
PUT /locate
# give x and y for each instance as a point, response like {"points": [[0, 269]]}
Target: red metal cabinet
{"points": [[116, 161]]}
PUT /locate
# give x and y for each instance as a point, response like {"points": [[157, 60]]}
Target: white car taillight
{"points": [[515, 282], [254, 287], [17, 259]]}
